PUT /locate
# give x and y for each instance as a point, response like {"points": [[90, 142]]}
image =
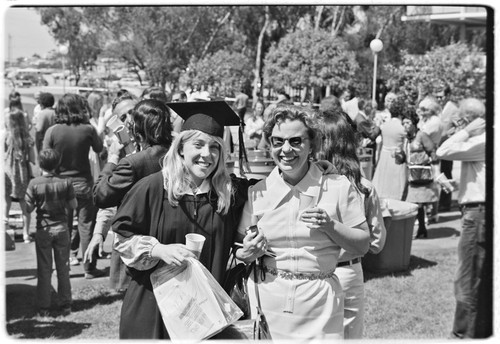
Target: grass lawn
{"points": [[415, 304]]}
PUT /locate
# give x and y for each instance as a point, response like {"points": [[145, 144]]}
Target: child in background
{"points": [[51, 196]]}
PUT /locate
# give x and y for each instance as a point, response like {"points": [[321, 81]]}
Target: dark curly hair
{"points": [[397, 107], [46, 100], [411, 113], [72, 109], [152, 122]]}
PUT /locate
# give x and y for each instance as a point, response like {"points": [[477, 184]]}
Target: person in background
{"points": [[18, 146], [448, 116], [390, 178], [153, 132], [305, 217], [473, 280], [52, 197], [240, 104], [382, 116], [419, 148], [428, 111], [330, 102], [16, 103], [339, 147], [37, 108], [349, 102], [45, 119], [72, 136], [193, 193], [155, 92], [254, 124], [179, 96], [366, 127], [95, 102]]}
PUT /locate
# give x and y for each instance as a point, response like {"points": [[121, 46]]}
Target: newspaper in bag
{"points": [[192, 303]]}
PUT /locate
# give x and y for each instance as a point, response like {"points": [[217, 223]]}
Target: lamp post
{"points": [[376, 46], [63, 50]]}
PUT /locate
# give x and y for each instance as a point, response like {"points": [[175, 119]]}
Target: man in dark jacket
{"points": [[152, 130]]}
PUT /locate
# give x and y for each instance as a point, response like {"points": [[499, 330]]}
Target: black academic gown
{"points": [[145, 210]]}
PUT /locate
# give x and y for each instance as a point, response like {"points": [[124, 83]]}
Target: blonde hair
{"points": [[177, 179]]}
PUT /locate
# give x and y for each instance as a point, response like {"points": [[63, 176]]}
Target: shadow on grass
{"points": [[20, 300], [41, 329], [107, 298], [21, 273], [415, 263], [443, 232]]}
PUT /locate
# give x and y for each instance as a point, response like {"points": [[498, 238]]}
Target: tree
{"points": [[162, 40], [309, 58], [68, 26], [222, 72], [460, 65]]}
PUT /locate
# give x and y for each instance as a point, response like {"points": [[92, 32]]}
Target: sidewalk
{"points": [[20, 266]]}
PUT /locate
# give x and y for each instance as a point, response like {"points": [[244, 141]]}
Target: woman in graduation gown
{"points": [[193, 193]]}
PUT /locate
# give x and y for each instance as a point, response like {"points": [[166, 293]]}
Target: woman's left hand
{"points": [[316, 218]]}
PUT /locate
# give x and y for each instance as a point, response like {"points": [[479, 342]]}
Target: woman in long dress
{"points": [[17, 169], [390, 178], [305, 216]]}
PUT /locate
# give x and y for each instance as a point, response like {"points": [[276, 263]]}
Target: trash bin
{"points": [[395, 256]]}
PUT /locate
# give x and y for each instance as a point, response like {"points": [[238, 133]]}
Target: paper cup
{"points": [[445, 183], [194, 243], [114, 123]]}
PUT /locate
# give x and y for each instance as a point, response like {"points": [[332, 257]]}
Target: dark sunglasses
{"points": [[295, 142]]}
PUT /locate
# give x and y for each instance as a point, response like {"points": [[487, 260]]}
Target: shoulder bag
{"points": [[245, 328], [235, 284], [420, 171]]}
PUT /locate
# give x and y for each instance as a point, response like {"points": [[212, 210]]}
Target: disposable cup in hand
{"points": [[445, 183], [194, 243]]}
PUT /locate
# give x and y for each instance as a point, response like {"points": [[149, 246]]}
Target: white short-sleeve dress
{"points": [[298, 308]]}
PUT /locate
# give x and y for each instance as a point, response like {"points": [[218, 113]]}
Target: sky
{"points": [[28, 36]]}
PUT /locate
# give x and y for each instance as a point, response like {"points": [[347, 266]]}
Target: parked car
{"points": [[31, 79], [22, 82], [92, 82], [129, 82]]}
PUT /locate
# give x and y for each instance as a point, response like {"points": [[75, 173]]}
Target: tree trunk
{"points": [[317, 20], [337, 20], [214, 33], [258, 59]]}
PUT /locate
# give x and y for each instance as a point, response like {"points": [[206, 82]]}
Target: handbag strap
{"points": [[256, 281]]}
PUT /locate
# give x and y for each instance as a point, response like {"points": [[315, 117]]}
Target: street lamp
{"points": [[376, 46], [63, 50]]}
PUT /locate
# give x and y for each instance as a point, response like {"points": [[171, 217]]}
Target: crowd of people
{"points": [[148, 170]]}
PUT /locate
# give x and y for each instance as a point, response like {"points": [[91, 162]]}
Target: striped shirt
{"points": [[50, 195]]}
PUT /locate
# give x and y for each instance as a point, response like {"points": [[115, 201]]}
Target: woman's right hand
{"points": [[172, 254], [254, 246]]}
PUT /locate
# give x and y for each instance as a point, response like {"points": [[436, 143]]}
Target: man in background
{"points": [[448, 115], [473, 281]]}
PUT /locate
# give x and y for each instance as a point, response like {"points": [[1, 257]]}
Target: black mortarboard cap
{"points": [[209, 117]]}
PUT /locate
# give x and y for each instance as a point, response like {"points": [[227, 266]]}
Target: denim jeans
{"points": [[86, 213], [471, 260], [55, 238]]}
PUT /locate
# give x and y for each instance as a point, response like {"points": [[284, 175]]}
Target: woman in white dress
{"points": [[305, 216]]}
